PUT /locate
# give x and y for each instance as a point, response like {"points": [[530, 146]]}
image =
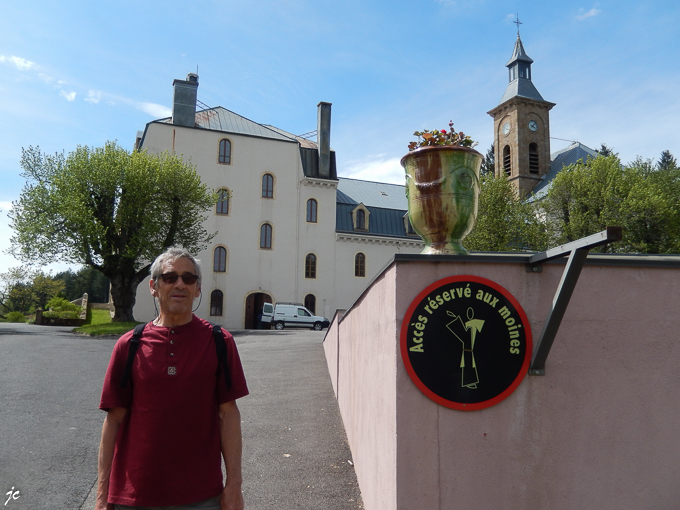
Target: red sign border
{"points": [[403, 341]]}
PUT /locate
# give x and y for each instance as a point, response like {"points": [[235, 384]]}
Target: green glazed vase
{"points": [[442, 189]]}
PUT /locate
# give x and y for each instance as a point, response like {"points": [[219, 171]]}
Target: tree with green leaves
{"points": [[111, 210], [606, 151], [650, 212], [667, 161], [488, 165], [23, 289], [587, 197], [504, 222], [86, 280]]}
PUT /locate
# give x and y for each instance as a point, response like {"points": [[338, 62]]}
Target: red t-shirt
{"points": [[168, 447]]}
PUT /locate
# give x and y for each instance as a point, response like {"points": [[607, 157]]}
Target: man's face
{"points": [[176, 298]]}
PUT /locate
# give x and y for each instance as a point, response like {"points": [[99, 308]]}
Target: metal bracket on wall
{"points": [[577, 252]]}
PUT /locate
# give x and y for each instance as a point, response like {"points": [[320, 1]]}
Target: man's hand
{"points": [[232, 497], [104, 506]]}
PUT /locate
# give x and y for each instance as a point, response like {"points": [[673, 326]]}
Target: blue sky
{"points": [[81, 73]]}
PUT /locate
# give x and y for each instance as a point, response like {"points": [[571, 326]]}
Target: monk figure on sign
{"points": [[466, 333]]}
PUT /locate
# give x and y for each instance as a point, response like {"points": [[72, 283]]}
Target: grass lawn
{"points": [[99, 323]]}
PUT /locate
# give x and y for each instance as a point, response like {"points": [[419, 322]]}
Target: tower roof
{"points": [[522, 88], [519, 54], [520, 75]]}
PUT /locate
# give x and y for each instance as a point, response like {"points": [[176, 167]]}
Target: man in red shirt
{"points": [[166, 431]]}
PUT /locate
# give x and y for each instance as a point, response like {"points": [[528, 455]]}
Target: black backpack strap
{"points": [[133, 345], [221, 348]]}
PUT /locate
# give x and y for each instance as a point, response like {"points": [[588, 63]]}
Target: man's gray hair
{"points": [[171, 255]]}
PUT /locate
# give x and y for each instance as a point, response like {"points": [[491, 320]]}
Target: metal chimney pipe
{"points": [[184, 101], [323, 130]]}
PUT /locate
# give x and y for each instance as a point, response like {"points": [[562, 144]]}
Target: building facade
{"points": [[287, 228]]}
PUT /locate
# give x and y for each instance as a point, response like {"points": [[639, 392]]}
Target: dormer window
{"points": [[360, 222], [360, 218], [408, 228]]}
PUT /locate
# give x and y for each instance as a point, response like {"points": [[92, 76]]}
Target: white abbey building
{"points": [[288, 229]]}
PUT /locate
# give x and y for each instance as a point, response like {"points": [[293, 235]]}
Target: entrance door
{"points": [[254, 304]]}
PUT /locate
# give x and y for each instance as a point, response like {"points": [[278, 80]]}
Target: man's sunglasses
{"points": [[187, 278]]}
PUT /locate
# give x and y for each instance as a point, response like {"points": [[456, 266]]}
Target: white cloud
{"points": [[69, 96], [378, 168], [94, 96], [20, 63], [585, 15], [155, 110], [47, 79]]}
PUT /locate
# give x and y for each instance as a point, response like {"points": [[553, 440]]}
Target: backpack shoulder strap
{"points": [[133, 345], [221, 348]]}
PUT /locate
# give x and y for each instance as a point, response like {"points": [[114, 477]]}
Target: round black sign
{"points": [[466, 342]]}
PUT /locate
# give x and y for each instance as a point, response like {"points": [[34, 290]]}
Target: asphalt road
{"points": [[295, 450]]}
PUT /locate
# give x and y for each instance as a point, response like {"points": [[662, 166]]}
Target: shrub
{"points": [[15, 317], [58, 304], [62, 315]]}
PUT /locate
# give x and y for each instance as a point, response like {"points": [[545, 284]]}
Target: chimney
{"points": [[323, 133], [184, 101]]}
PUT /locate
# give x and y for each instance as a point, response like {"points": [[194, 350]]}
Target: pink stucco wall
{"points": [[597, 431]]}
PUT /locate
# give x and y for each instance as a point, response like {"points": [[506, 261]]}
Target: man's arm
{"points": [[230, 436], [112, 422]]}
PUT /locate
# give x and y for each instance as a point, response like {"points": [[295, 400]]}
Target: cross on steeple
{"points": [[518, 23]]}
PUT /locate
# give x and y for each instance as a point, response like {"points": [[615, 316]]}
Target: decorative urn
{"points": [[442, 189]]}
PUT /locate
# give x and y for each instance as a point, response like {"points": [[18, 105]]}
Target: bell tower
{"points": [[521, 126]]}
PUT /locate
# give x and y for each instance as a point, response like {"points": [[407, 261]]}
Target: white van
{"points": [[292, 315]]}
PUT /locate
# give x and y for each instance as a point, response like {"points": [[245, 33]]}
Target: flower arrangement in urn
{"points": [[437, 137], [442, 188]]}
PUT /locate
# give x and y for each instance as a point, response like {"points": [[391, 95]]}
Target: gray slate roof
{"points": [[372, 194], [381, 222], [221, 119], [523, 88], [304, 142], [565, 157], [386, 204], [518, 53]]}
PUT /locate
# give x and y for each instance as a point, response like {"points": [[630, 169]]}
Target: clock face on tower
{"points": [[506, 128], [533, 125]]}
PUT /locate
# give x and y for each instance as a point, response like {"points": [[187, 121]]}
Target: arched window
{"points": [[267, 186], [360, 265], [361, 219], [220, 259], [216, 297], [311, 210], [225, 152], [310, 303], [310, 266], [266, 237], [222, 201], [533, 158], [507, 162]]}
